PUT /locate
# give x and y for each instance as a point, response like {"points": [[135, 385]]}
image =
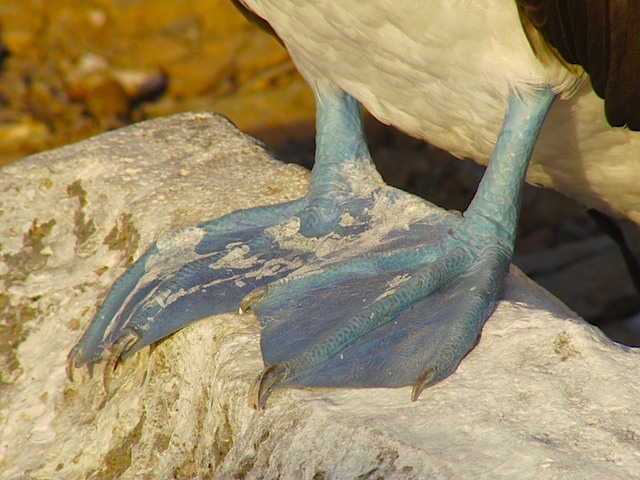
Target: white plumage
{"points": [[442, 70]]}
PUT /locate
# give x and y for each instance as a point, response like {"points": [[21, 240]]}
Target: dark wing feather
{"points": [[603, 36], [255, 19]]}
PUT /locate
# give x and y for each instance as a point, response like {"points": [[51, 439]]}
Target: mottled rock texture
{"points": [[543, 396]]}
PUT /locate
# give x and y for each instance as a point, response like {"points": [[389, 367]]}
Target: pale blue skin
{"points": [[335, 327]]}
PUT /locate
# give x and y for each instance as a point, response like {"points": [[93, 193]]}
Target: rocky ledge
{"points": [[544, 395]]}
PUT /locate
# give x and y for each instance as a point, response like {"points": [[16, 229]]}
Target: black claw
{"points": [[252, 298], [269, 377], [71, 362], [423, 381], [109, 368], [121, 346]]}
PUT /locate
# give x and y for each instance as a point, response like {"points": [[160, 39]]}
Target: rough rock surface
{"points": [[544, 395]]}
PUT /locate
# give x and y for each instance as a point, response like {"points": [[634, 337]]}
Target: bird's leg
{"points": [[343, 170], [416, 323], [357, 284], [209, 268], [495, 208]]}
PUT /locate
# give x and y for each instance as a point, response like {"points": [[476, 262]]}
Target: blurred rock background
{"points": [[70, 69]]}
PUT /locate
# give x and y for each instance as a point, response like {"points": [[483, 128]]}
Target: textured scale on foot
{"points": [[359, 284]]}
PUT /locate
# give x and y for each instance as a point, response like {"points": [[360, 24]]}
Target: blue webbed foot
{"points": [[403, 313], [185, 276], [355, 285]]}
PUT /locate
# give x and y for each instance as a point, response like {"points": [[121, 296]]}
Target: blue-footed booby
{"points": [[355, 285]]}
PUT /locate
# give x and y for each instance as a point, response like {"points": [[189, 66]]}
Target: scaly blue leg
{"points": [[416, 328], [356, 285]]}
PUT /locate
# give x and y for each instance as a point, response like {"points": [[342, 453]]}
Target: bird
{"points": [[358, 284]]}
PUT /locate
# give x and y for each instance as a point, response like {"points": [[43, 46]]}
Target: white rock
{"points": [[544, 395]]}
